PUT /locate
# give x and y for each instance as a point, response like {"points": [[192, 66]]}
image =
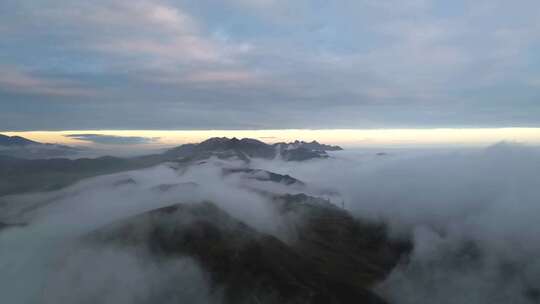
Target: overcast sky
{"points": [[268, 64]]}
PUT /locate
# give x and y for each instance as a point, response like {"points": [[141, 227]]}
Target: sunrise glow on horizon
{"points": [[344, 137]]}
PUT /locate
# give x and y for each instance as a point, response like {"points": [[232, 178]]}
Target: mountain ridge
{"points": [[246, 148], [20, 175], [16, 141], [20, 147], [336, 263]]}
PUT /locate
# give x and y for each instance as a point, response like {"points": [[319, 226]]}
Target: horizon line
{"points": [[345, 137]]}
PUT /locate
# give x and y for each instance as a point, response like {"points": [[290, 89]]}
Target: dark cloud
{"points": [[113, 140]]}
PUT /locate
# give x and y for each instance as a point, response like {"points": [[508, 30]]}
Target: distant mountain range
{"points": [[19, 175], [247, 148], [20, 147]]}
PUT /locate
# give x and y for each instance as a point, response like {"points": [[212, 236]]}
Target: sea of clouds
{"points": [[472, 214]]}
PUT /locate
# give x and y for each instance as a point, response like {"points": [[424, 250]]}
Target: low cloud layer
{"points": [[472, 215]]}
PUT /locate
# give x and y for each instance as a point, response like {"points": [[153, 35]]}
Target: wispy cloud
{"points": [[151, 34], [113, 139], [18, 81]]}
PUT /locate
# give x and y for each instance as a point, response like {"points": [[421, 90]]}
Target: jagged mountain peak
{"points": [[231, 141], [246, 148]]}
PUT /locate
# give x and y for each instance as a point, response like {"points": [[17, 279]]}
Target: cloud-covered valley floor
{"points": [[472, 216]]}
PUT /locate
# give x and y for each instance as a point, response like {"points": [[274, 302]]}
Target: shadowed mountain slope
{"points": [[333, 258]]}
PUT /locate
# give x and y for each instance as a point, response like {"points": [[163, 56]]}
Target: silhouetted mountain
{"points": [[15, 141], [333, 258], [245, 149], [224, 148], [21, 147]]}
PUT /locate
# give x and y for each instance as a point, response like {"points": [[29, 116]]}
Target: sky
{"points": [[268, 64]]}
